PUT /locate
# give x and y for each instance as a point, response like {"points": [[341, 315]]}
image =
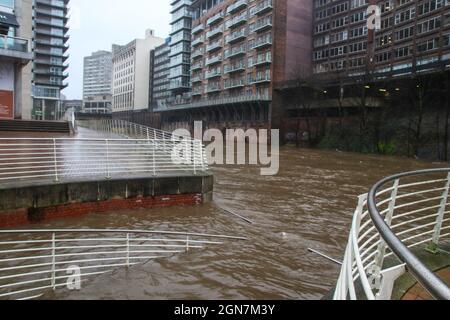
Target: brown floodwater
{"points": [[309, 204]]}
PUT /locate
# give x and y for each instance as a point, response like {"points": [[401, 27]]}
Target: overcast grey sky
{"points": [[96, 24]]}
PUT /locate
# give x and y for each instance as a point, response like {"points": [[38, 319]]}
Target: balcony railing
{"points": [[197, 66], [238, 20], [236, 36], [214, 46], [235, 67], [262, 42], [234, 83], [14, 44], [261, 60], [213, 60], [197, 53], [198, 28], [213, 74], [198, 40], [215, 31], [262, 25], [261, 79], [263, 7], [237, 6], [216, 18], [233, 52], [224, 100]]}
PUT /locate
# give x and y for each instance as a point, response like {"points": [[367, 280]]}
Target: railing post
{"points": [[187, 244], [108, 175], [55, 160], [382, 246], [433, 247], [154, 158], [53, 261], [194, 155], [128, 250]]}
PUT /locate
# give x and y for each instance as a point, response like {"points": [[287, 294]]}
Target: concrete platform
{"points": [[32, 200], [25, 202]]}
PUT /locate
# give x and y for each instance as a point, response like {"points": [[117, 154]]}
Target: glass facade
{"points": [[180, 47], [50, 47]]}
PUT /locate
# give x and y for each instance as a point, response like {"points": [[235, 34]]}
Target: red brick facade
{"points": [[26, 216]]}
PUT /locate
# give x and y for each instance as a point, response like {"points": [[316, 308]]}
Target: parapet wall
{"points": [[36, 203]]}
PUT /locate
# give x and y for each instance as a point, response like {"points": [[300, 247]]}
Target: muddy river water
{"points": [[309, 204]]}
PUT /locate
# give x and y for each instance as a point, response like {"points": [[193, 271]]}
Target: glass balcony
{"points": [[262, 42], [216, 18], [213, 60], [237, 36], [198, 40], [265, 59], [237, 21], [261, 79], [262, 7], [197, 66], [197, 78], [198, 29], [235, 68], [236, 51], [213, 74], [237, 6], [12, 43], [234, 83], [215, 31], [16, 48], [197, 53], [214, 46], [213, 88], [262, 25]]}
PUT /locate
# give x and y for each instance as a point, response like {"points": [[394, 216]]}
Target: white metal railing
{"points": [[128, 129], [414, 209], [32, 262], [60, 159]]}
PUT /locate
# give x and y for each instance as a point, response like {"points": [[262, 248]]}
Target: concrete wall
{"points": [[29, 204], [23, 100], [142, 71]]}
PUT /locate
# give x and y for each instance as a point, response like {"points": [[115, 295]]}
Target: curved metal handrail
{"points": [[432, 283], [401, 212]]}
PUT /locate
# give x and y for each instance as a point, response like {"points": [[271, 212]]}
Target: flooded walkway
{"points": [[309, 204]]}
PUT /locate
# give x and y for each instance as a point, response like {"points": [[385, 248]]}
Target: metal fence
{"points": [[32, 262], [129, 129], [60, 159], [400, 213]]}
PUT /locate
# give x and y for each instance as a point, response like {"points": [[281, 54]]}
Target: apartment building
{"points": [[15, 59], [414, 36], [50, 56], [240, 49], [161, 92], [131, 77], [97, 73]]}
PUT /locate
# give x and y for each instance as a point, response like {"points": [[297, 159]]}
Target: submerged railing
{"points": [[60, 159], [32, 262], [401, 212]]}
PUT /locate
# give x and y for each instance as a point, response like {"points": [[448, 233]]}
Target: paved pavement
{"points": [[419, 293]]}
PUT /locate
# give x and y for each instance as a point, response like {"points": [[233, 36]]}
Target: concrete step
{"points": [[35, 126]]}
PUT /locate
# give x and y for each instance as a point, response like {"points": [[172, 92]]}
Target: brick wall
{"points": [[36, 215]]}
